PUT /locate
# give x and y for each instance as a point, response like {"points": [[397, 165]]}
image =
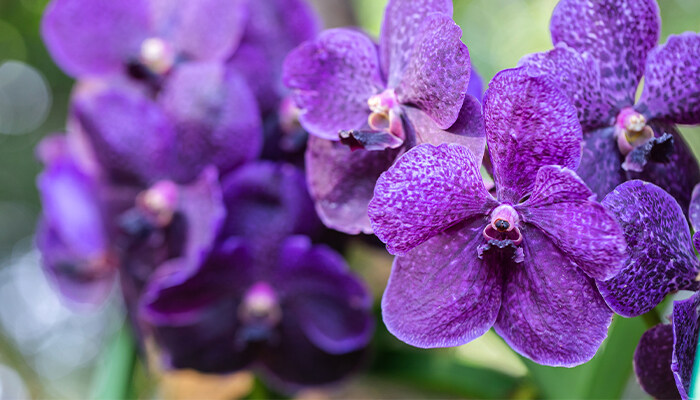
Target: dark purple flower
{"points": [[664, 358], [602, 51], [660, 255], [91, 228], [141, 38], [205, 114], [299, 319], [379, 100], [166, 221], [523, 262], [266, 202]]}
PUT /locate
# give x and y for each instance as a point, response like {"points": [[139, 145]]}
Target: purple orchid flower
{"points": [[91, 229], [602, 51], [664, 358], [141, 38], [204, 114], [300, 318], [381, 101], [523, 262], [660, 255]]}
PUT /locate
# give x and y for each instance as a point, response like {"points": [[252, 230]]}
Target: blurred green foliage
{"points": [[20, 40]]}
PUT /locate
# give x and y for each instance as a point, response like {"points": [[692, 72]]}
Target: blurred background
{"points": [[49, 350]]}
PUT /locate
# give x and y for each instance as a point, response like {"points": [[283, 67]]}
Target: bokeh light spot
{"points": [[25, 98]]}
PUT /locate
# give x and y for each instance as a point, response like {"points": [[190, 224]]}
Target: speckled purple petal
{"points": [[274, 28], [330, 303], [95, 37], [204, 30], [437, 74], [618, 33], [652, 362], [426, 191], [601, 162], [341, 182], [660, 259], [672, 80], [130, 135], [215, 115], [680, 174], [582, 229], [294, 362], [529, 123], [332, 77], [266, 202], [551, 311], [467, 131], [401, 29], [441, 293], [578, 75], [686, 326]]}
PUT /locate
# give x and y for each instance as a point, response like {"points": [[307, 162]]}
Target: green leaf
{"points": [[114, 374], [434, 371], [604, 377]]}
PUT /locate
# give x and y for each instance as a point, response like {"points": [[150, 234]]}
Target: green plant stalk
{"points": [[114, 375], [694, 392]]}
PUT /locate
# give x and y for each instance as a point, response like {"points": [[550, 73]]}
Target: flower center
{"points": [[631, 130], [157, 55], [259, 313], [158, 203], [386, 113], [504, 225]]}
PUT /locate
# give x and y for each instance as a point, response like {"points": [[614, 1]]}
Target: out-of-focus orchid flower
{"points": [[143, 39]]}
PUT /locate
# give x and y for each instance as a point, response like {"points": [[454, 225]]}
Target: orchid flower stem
{"points": [[651, 318], [114, 375]]}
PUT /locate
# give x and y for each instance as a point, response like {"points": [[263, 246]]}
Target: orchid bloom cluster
{"points": [[159, 181]]}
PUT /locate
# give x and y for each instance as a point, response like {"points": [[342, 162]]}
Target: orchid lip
{"points": [[386, 115], [504, 225], [631, 130]]}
